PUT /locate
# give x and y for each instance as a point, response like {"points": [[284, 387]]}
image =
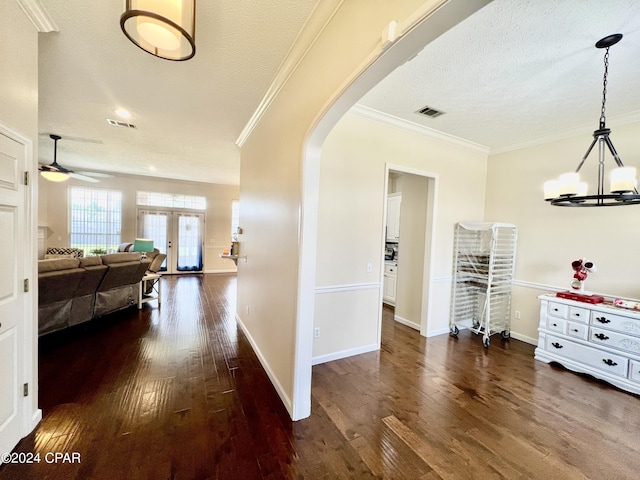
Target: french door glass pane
{"points": [[189, 243]]}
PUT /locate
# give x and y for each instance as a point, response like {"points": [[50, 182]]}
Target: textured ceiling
{"points": [[188, 114], [519, 71], [515, 72]]}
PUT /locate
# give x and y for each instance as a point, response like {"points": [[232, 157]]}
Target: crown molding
{"points": [[38, 15], [402, 124], [306, 38], [586, 129]]}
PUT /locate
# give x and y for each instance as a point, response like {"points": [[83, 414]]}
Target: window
{"points": [[235, 218], [95, 219], [171, 200]]}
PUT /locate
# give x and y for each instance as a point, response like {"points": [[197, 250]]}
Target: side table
{"points": [[156, 289]]}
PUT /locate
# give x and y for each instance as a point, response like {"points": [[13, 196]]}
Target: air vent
{"points": [[118, 123], [430, 112]]}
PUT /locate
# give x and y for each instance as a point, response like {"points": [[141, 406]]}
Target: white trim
{"points": [[402, 124], [306, 38], [347, 288], [624, 119], [440, 331], [37, 13], [222, 270], [344, 354], [406, 322], [272, 376], [524, 338]]}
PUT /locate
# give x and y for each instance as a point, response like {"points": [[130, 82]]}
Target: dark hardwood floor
{"points": [[177, 392]]}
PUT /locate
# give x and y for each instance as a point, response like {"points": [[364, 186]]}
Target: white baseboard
{"points": [[406, 322], [439, 331], [224, 270], [524, 338], [274, 380], [36, 418], [344, 354]]}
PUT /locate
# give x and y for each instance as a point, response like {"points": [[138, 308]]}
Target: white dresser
{"points": [[600, 340]]}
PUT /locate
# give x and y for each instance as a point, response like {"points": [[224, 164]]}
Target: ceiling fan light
{"points": [[55, 176], [164, 28]]}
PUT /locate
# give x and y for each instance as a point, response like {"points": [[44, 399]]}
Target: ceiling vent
{"points": [[118, 123], [430, 112]]}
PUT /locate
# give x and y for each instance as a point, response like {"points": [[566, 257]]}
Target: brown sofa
{"points": [[75, 290]]}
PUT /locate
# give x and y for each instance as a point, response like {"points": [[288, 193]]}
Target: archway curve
{"points": [[411, 38]]}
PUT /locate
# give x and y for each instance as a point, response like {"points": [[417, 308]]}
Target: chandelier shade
{"points": [[569, 191], [164, 28]]}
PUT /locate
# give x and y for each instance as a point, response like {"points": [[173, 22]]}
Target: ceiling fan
{"points": [[57, 173]]}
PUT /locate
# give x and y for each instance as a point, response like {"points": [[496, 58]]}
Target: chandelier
{"points": [[569, 191]]}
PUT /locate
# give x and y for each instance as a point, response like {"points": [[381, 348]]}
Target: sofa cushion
{"points": [[90, 261], [121, 257], [55, 264]]}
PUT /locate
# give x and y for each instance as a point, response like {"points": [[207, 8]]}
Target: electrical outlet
{"points": [[316, 332], [516, 314], [369, 267]]}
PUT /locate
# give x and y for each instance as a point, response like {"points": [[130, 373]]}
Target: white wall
{"points": [[54, 211], [19, 113], [550, 238], [351, 224]]}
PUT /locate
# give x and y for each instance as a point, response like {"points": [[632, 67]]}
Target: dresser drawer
{"points": [[578, 314], [619, 323], [558, 310], [391, 269], [556, 324], [611, 363], [634, 370], [614, 340], [578, 330]]}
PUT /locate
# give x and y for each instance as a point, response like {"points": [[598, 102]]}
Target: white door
{"points": [[178, 234], [12, 297]]}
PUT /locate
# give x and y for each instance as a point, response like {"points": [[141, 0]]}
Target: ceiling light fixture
{"points": [[164, 28], [569, 191], [54, 172]]}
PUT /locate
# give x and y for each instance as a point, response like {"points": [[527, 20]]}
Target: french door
{"points": [[179, 234]]}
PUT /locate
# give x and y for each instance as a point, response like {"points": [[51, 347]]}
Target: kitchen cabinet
{"points": [[390, 282], [394, 201], [600, 340]]}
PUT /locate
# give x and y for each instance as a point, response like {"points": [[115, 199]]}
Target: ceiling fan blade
{"points": [[83, 177], [47, 168], [96, 174]]}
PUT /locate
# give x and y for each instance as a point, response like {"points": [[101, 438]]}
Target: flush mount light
{"points": [[569, 191], [164, 28]]}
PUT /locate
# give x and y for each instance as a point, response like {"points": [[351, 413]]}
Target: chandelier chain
{"points": [[604, 88]]}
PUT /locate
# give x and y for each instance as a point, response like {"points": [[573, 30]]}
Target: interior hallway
{"points": [[177, 392]]}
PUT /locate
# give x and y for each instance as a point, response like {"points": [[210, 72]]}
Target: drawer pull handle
{"points": [[603, 320], [555, 324], [601, 336], [555, 309], [609, 362], [557, 345], [576, 330], [577, 314]]}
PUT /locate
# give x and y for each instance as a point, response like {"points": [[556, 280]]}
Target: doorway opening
{"points": [[409, 244]]}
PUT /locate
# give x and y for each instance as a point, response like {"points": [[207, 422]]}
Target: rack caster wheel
{"points": [[506, 334], [486, 342], [454, 331]]}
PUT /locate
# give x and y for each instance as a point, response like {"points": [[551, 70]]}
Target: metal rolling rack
{"points": [[483, 265]]}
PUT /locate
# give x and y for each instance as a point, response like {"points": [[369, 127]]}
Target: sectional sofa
{"points": [[76, 290]]}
